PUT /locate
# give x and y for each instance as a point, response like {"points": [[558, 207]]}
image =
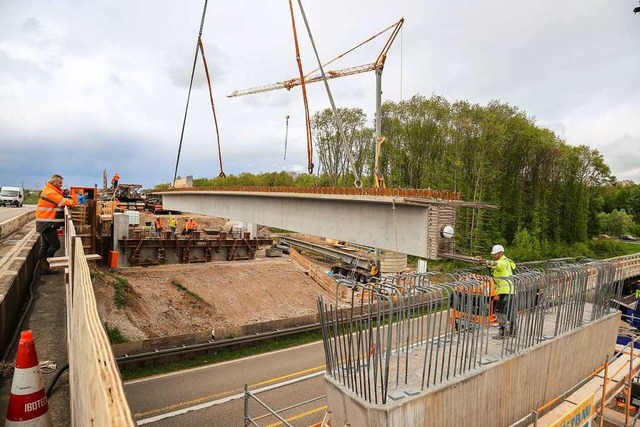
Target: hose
{"points": [[14, 337], [55, 379]]}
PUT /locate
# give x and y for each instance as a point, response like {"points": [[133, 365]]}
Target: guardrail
{"points": [[96, 392], [11, 225]]}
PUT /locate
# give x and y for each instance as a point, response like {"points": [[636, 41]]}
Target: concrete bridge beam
{"points": [[398, 224]]}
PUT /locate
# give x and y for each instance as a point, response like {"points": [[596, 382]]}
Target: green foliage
{"points": [[183, 288], [114, 334], [615, 223], [120, 286], [31, 197], [525, 246]]}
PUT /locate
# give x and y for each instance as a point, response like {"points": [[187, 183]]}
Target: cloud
{"points": [[89, 86]]}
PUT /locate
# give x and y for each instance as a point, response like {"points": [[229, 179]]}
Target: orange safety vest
{"points": [[116, 177], [51, 205], [158, 224], [191, 225]]}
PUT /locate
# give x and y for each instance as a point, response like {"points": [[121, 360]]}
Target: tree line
{"points": [[552, 197]]}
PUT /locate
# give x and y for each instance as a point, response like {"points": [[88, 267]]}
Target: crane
{"points": [[376, 66]]}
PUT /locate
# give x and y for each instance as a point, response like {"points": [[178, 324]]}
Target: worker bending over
{"points": [[50, 217], [190, 226]]}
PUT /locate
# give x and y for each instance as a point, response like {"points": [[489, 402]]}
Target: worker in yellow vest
{"points": [[501, 270], [173, 224]]}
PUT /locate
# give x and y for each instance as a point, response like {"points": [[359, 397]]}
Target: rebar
{"points": [[413, 332]]}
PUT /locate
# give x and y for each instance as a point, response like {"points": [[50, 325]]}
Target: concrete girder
{"points": [[399, 224]]}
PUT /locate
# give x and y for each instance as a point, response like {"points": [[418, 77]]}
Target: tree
{"points": [[615, 223], [329, 146]]}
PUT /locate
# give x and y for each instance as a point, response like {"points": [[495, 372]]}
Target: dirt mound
{"points": [[147, 302]]}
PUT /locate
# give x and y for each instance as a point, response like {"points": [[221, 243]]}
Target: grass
{"points": [[114, 334], [120, 286], [220, 356], [183, 288]]}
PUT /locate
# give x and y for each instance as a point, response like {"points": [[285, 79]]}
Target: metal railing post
{"points": [[247, 394]]}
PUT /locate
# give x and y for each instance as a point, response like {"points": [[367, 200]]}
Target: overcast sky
{"points": [[93, 85]]}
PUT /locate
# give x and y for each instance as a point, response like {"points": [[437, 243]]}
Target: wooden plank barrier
{"points": [[316, 273], [96, 392]]}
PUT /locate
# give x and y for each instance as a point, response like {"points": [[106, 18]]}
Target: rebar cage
{"points": [[411, 332]]}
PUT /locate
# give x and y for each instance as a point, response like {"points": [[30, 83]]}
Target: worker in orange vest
{"points": [[190, 226], [50, 217], [114, 180], [158, 226]]}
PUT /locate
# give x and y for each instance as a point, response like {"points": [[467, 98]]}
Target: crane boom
{"points": [[332, 74], [288, 84]]}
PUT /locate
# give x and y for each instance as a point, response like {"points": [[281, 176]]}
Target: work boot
{"points": [[498, 337], [44, 266]]}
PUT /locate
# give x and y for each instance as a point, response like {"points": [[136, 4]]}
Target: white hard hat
{"points": [[497, 249]]}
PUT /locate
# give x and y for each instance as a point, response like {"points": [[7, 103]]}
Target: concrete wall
{"points": [[495, 395], [14, 287], [14, 224]]}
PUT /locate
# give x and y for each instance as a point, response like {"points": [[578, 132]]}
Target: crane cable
{"points": [[339, 125], [213, 108], [286, 132], [186, 109], [304, 93]]}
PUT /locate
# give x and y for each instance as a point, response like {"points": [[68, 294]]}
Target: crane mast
{"points": [[376, 66]]}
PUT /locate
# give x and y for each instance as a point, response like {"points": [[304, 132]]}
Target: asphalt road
{"points": [[213, 395], [8, 212]]}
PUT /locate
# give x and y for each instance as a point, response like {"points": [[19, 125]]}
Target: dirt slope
{"points": [[179, 299]]}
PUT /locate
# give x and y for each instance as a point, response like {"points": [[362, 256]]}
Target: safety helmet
{"points": [[497, 249]]}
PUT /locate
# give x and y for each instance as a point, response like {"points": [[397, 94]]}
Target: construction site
{"points": [[414, 327]]}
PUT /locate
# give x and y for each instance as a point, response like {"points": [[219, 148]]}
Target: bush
{"points": [[114, 334]]}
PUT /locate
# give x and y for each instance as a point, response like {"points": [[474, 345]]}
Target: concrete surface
{"points": [[390, 223], [47, 320]]}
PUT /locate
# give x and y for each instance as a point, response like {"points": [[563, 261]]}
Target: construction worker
{"points": [[173, 224], [50, 217], [373, 269], [501, 269], [115, 179], [82, 197], [190, 226], [158, 226]]}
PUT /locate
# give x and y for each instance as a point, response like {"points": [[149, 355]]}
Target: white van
{"points": [[13, 196]]}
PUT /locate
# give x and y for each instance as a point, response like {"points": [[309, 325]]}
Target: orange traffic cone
{"points": [[28, 405]]}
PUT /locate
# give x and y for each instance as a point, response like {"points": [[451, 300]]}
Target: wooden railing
{"points": [[96, 392]]}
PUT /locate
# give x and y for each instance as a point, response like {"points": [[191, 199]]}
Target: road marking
{"points": [[302, 415], [224, 393], [225, 399], [214, 365]]}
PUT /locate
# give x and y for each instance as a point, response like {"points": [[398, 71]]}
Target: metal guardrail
{"points": [[194, 349], [345, 256]]}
